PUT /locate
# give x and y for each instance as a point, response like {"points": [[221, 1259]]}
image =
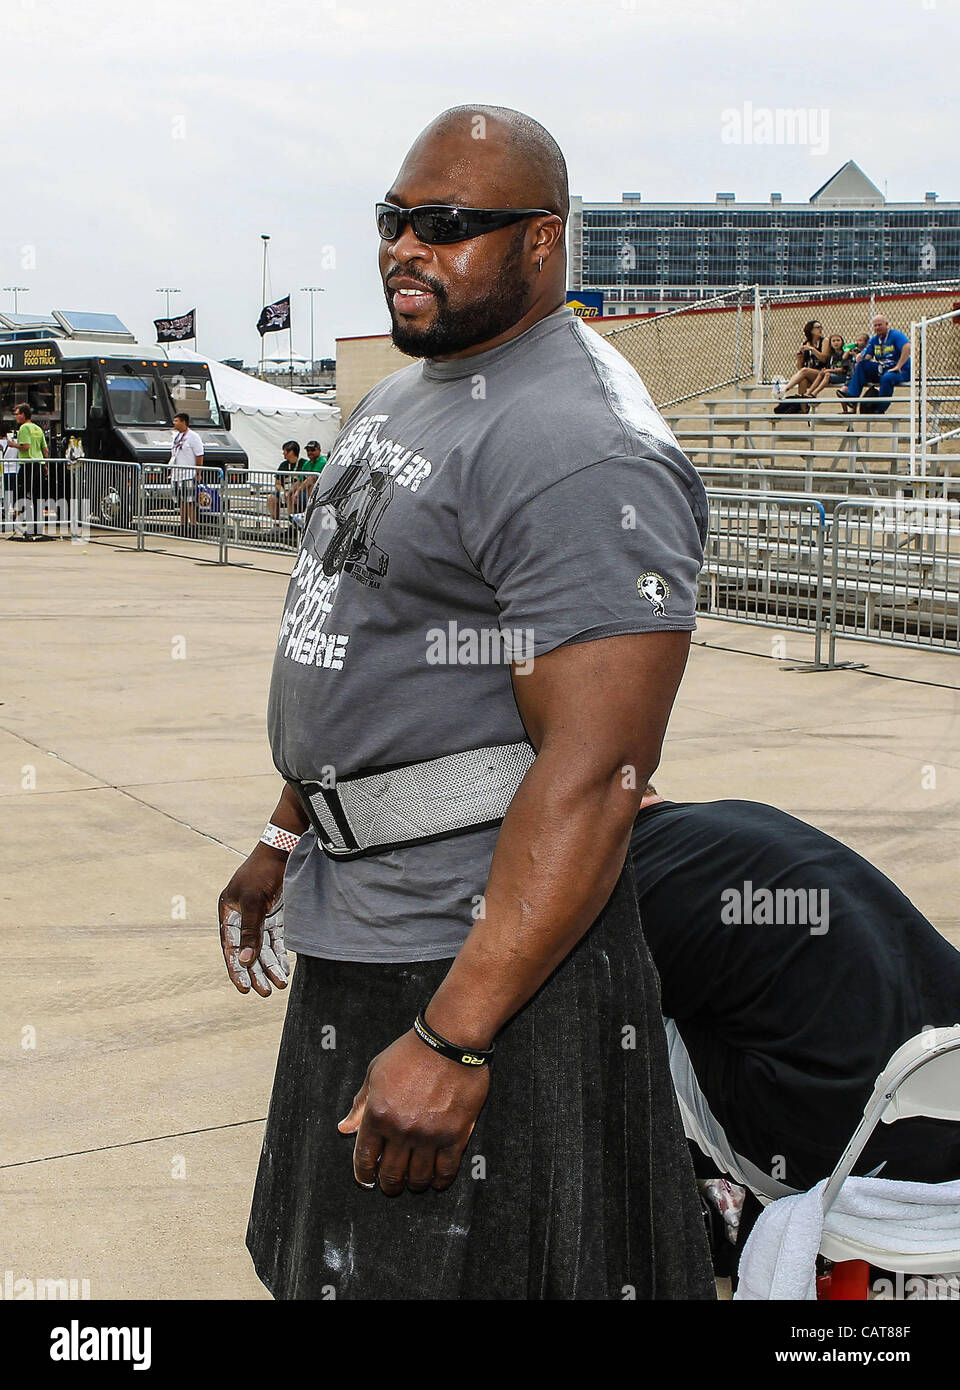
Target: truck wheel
{"points": [[339, 547]]}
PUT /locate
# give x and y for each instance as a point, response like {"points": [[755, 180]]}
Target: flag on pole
{"points": [[175, 330], [274, 317]]}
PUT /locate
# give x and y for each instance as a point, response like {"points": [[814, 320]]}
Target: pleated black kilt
{"points": [[576, 1182]]}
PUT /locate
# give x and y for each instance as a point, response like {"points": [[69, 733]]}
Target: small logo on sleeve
{"points": [[655, 589]]}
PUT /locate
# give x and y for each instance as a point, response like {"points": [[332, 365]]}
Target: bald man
{"points": [[484, 632]]}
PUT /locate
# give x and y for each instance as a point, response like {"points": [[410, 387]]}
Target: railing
{"points": [[871, 569], [265, 510], [249, 510], [764, 562], [191, 507], [934, 391], [895, 573], [46, 498], [883, 568]]}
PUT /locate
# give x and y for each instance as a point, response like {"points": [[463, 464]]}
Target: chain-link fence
{"points": [[686, 352]]}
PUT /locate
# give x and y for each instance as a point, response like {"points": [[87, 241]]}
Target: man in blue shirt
{"points": [[885, 360]]}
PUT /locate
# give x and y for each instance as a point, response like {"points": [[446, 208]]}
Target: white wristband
{"points": [[277, 838]]}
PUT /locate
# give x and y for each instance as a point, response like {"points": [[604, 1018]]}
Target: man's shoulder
{"points": [[573, 402]]}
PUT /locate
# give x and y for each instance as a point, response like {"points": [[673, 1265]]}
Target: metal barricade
{"points": [[104, 494], [764, 562], [826, 485], [895, 573], [265, 509], [69, 498], [192, 507]]}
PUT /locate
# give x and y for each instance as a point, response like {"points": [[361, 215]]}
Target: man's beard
{"points": [[454, 330]]}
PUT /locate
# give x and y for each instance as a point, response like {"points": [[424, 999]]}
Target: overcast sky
{"points": [[151, 144]]}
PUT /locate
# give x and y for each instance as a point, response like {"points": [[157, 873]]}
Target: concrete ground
{"points": [[134, 774]]}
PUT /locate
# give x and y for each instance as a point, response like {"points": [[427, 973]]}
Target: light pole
{"points": [[168, 293], [16, 291], [312, 290], [263, 295]]}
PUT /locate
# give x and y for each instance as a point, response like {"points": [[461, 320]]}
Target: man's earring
{"points": [[540, 263]]}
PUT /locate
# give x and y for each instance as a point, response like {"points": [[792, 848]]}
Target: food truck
{"points": [[94, 390]]}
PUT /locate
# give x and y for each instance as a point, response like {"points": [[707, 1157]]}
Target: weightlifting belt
{"points": [[415, 802]]}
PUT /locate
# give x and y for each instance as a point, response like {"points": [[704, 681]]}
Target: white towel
{"points": [[779, 1258]]}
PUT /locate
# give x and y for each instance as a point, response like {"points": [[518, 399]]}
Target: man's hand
{"points": [[413, 1116], [254, 890]]}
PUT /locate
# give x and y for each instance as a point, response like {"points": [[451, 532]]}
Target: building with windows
{"points": [[641, 256]]}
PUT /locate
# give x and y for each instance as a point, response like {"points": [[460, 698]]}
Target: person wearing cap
{"points": [[311, 468]]}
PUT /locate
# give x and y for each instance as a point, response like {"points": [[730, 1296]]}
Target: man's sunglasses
{"points": [[438, 225]]}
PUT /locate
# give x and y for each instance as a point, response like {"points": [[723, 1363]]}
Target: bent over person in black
{"points": [[791, 970]]}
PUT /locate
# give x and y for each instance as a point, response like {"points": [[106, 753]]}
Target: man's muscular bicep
{"points": [[605, 702]]}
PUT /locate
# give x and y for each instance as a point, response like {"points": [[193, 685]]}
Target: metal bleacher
{"points": [[736, 440], [818, 522]]}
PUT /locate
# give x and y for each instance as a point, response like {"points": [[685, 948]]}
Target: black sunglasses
{"points": [[438, 225]]}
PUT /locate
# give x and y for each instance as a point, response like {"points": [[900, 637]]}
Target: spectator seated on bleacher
{"points": [[885, 361], [852, 353], [837, 366], [811, 357]]}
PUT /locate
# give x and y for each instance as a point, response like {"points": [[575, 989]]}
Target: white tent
{"points": [[263, 417]]}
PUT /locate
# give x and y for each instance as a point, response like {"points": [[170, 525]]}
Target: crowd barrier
{"points": [[248, 509], [883, 568], [880, 569]]}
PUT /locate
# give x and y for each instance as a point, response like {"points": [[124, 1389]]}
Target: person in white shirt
{"points": [[186, 460], [10, 457]]}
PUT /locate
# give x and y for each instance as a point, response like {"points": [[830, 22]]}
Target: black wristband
{"points": [[466, 1056]]}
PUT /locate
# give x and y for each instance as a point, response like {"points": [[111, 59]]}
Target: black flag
{"points": [[175, 330], [274, 317]]}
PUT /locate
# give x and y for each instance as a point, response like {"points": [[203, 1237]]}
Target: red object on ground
{"points": [[848, 1279]]}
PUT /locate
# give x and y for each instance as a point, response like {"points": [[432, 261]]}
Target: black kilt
{"points": [[576, 1182]]}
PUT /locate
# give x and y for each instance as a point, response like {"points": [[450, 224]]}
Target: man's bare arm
{"points": [[592, 710], [597, 713]]}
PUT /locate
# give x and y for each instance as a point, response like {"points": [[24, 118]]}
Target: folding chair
{"points": [[922, 1078]]}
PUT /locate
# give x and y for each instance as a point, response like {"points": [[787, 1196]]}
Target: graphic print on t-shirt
{"points": [[339, 542], [655, 589], [354, 508]]}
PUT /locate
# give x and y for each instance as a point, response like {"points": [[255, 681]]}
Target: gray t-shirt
{"points": [[533, 488]]}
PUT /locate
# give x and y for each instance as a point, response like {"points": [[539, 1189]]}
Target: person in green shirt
{"points": [[31, 440], [315, 457], [310, 468]]}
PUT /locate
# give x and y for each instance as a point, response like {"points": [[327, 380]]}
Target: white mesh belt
{"points": [[419, 801]]}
